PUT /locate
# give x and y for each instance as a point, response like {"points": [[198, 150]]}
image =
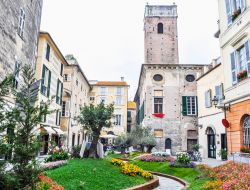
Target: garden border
{"points": [[183, 182], [153, 183]]}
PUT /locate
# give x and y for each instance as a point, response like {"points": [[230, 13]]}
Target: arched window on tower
{"points": [[160, 28]]}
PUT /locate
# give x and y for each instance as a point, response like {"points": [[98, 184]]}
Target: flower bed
{"points": [[231, 175], [153, 158], [52, 165], [46, 183], [131, 169]]}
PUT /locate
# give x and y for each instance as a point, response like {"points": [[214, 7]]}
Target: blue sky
{"points": [[107, 36]]}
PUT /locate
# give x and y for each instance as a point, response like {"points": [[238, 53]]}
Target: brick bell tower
{"points": [[160, 34]]}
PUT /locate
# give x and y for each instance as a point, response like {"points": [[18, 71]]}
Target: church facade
{"points": [[166, 96]]}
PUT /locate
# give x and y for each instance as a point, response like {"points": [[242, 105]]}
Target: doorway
{"points": [[211, 147], [168, 143]]}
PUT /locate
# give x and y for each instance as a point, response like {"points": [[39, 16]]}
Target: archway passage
{"points": [[211, 147], [168, 143]]}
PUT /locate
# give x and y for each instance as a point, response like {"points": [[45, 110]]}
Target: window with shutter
{"points": [[233, 68], [191, 105], [229, 13], [184, 105], [248, 56], [47, 52], [208, 96], [21, 23], [45, 82]]}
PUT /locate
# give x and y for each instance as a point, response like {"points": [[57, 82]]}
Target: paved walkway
{"points": [[168, 184], [211, 162]]}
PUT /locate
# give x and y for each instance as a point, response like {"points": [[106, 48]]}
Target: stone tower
{"points": [[160, 32]]}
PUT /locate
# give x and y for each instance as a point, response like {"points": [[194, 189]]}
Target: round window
{"points": [[190, 78], [158, 77]]}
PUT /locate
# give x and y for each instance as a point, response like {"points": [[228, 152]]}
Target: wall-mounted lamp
{"points": [[224, 107]]}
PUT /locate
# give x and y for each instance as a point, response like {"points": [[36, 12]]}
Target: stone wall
{"points": [[161, 48], [13, 47], [174, 85]]}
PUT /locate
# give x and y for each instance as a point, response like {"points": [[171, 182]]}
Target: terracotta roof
{"points": [[111, 83], [131, 105]]}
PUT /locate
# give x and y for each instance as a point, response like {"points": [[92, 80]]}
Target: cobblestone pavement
{"points": [[168, 184], [211, 162]]}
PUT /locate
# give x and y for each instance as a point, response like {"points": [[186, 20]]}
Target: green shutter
{"points": [[61, 93], [184, 105], [196, 105], [61, 69], [43, 75], [57, 91], [49, 81]]}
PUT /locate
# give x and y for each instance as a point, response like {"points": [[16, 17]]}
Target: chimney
{"points": [[122, 79]]}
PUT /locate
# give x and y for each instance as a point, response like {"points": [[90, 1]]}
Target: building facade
{"points": [[112, 92], [131, 121], [75, 95], [234, 37], [49, 71], [20, 25], [166, 96], [212, 134]]}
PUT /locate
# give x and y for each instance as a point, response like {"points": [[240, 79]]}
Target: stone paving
{"points": [[211, 162], [168, 184]]}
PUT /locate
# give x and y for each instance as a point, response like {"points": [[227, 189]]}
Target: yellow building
{"points": [[131, 121], [112, 92], [49, 71], [75, 94]]}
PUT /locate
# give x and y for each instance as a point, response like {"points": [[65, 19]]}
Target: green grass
{"points": [[95, 174], [188, 174]]}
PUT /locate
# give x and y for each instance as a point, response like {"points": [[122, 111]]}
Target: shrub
{"points": [[183, 159], [181, 165], [76, 151], [52, 165], [153, 158], [245, 149], [62, 155]]}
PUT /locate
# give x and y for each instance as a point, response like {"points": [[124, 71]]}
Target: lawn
{"points": [[89, 174], [188, 174]]}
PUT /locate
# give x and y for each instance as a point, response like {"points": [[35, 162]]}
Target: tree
{"points": [[23, 120], [5, 87], [143, 137], [94, 118]]}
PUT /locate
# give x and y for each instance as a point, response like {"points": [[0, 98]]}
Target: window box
{"points": [[242, 75]]}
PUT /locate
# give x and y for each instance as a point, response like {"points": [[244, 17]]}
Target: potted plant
{"points": [[242, 75], [236, 13], [223, 154]]}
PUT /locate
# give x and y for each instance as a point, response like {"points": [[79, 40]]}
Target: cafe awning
{"points": [[58, 131], [49, 130]]}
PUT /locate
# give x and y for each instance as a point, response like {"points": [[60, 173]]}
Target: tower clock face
{"points": [[190, 78], [158, 77]]}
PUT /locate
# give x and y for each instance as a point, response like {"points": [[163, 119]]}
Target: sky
{"points": [[107, 38]]}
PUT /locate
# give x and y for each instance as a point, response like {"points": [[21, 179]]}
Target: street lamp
{"points": [[215, 101]]}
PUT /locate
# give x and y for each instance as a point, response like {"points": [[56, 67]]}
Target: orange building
{"points": [[239, 132]]}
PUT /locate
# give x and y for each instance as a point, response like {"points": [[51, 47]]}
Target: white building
{"points": [[212, 135]]}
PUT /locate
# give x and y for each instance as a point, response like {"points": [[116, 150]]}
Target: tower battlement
{"points": [[160, 11]]}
